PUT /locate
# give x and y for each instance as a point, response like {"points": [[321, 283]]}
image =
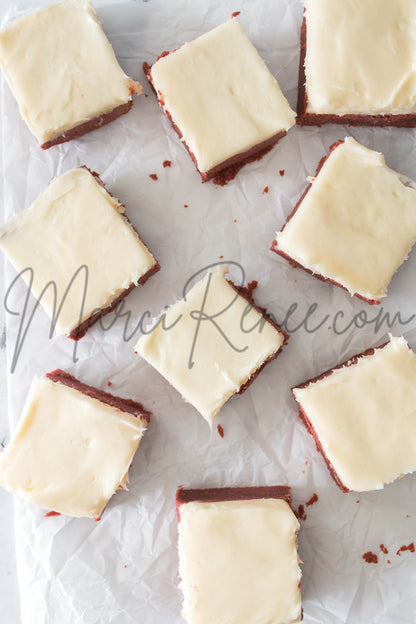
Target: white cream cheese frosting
{"points": [[75, 223], [221, 95], [357, 223], [364, 416], [208, 361], [360, 56], [62, 69], [70, 452], [238, 562]]}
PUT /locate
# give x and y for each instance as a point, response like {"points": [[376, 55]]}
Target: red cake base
{"points": [[89, 126], [227, 170], [304, 417], [124, 405], [274, 247], [405, 120], [218, 495], [247, 293], [81, 330]]}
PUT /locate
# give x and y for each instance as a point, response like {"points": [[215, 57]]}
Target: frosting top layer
{"points": [[216, 340], [69, 452], [356, 224], [364, 416], [221, 95], [62, 69], [360, 56], [238, 562], [66, 237]]}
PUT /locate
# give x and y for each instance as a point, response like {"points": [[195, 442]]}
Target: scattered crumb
{"points": [[146, 95], [185, 205], [383, 549], [313, 499], [109, 383], [306, 462], [410, 547], [235, 14], [235, 220], [49, 514], [125, 566], [357, 501], [370, 557], [221, 256], [300, 513], [282, 172], [167, 163], [303, 472], [265, 190], [97, 519], [220, 430], [407, 516], [153, 176], [388, 561]]}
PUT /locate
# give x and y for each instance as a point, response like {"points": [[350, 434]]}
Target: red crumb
{"points": [[167, 163], [153, 176], [235, 14], [388, 561], [125, 566], [357, 501], [282, 172], [160, 96], [185, 205], [221, 256], [132, 90], [383, 549], [98, 518], [306, 462], [313, 499], [265, 190], [303, 472], [410, 547], [109, 383], [300, 513], [235, 220], [407, 516], [146, 95], [49, 514], [370, 557], [220, 430], [252, 285]]}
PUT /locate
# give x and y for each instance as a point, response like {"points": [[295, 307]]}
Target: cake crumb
{"points": [[357, 501], [235, 220], [109, 383], [410, 547], [153, 176], [300, 513], [306, 462], [221, 256], [282, 172], [383, 549], [313, 499], [167, 163], [388, 561], [185, 205], [49, 514], [125, 566], [146, 95], [220, 430], [265, 190], [370, 557], [235, 14], [303, 472]]}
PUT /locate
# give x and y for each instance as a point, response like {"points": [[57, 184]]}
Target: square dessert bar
{"points": [[213, 343], [221, 99], [78, 252], [63, 72], [354, 225], [362, 416], [357, 63], [238, 559], [73, 446]]}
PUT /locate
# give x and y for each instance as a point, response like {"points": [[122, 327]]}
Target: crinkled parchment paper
{"points": [[123, 569]]}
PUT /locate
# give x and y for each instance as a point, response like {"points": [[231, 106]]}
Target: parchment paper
{"points": [[123, 569]]}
